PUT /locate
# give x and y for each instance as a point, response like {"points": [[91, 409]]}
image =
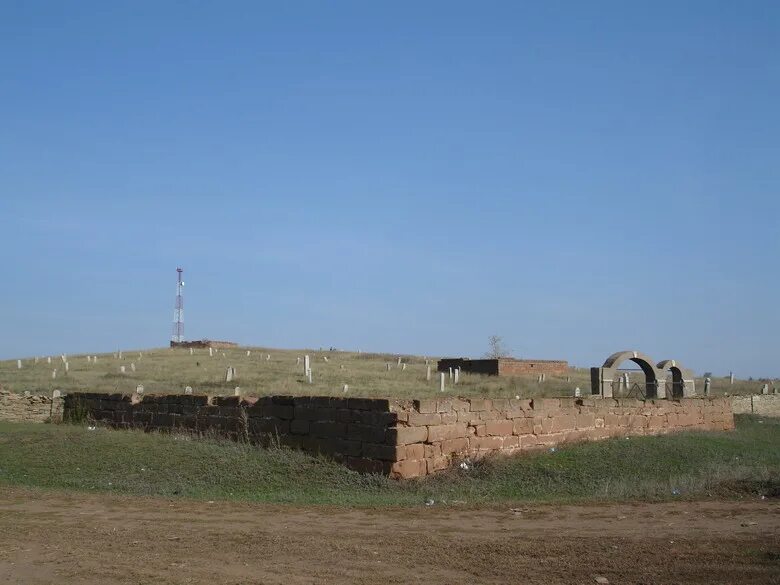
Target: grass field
{"points": [[167, 371], [745, 462]]}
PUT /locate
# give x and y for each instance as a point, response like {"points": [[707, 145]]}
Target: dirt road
{"points": [[56, 537]]}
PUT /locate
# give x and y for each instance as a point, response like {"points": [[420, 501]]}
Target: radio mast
{"points": [[178, 311]]}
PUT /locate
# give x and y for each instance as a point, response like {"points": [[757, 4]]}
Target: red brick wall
{"points": [[504, 366], [407, 438]]}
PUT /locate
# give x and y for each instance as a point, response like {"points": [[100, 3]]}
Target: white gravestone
{"points": [[121, 369], [441, 382], [132, 366], [457, 375], [428, 374], [188, 389], [53, 374], [18, 364], [346, 388]]}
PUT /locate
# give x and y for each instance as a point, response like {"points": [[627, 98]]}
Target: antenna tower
{"points": [[178, 311]]}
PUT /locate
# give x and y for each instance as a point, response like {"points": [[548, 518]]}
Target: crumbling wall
{"points": [[407, 438], [761, 404], [29, 407]]}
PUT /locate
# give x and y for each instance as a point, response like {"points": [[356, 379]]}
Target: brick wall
{"points": [[504, 366], [29, 408], [204, 344], [512, 367], [762, 404], [408, 438]]}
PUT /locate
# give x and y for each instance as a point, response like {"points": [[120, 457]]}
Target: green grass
{"points": [[168, 371], [745, 462]]}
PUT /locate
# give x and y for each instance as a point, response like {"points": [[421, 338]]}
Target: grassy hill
{"points": [[169, 371]]}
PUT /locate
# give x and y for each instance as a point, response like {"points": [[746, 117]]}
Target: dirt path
{"points": [[55, 537]]}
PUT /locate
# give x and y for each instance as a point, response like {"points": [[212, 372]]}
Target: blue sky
{"points": [[394, 176]]}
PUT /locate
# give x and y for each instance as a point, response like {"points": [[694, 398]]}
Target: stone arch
{"points": [[602, 378], [683, 382]]}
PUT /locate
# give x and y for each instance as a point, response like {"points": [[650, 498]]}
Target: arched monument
{"points": [[601, 379]]}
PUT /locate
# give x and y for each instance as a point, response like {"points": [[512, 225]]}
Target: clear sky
{"points": [[577, 177]]}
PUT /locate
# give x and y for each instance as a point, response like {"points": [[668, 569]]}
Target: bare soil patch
{"points": [[63, 537]]}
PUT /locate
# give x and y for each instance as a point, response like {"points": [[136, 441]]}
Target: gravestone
{"points": [[387, 366], [237, 391], [731, 377], [441, 382], [132, 366], [450, 373], [248, 353], [229, 374], [346, 388], [765, 389], [94, 359], [707, 384], [399, 361], [403, 366], [139, 389], [211, 352], [89, 359], [121, 369], [306, 365], [577, 392], [188, 389], [67, 367], [457, 375], [268, 357], [325, 358], [120, 355], [18, 364], [53, 374], [191, 352], [298, 361], [48, 360], [308, 377], [56, 394], [428, 374]]}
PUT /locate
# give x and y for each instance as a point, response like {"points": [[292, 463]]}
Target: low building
{"points": [[504, 366]]}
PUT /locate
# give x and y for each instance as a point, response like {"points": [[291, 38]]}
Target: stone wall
{"points": [[407, 438], [761, 404], [504, 366], [29, 408]]}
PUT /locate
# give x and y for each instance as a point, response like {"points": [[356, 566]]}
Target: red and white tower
{"points": [[178, 311]]}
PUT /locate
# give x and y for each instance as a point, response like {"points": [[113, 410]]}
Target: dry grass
{"points": [[169, 371]]}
